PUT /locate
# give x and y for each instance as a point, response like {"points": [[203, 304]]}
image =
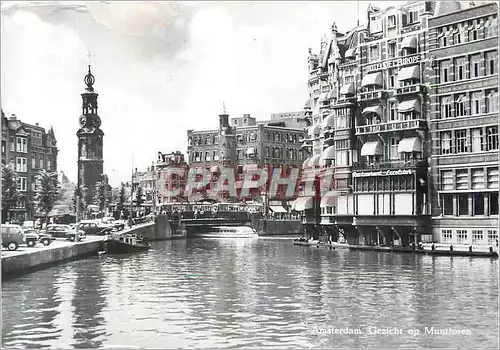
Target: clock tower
{"points": [[90, 141]]}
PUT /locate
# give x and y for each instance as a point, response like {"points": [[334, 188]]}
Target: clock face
{"points": [[97, 121]]}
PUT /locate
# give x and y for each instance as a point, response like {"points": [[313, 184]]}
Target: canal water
{"points": [[216, 293]]}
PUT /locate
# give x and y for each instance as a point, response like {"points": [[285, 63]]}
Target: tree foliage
{"points": [[82, 192], [46, 191], [10, 192], [101, 195]]}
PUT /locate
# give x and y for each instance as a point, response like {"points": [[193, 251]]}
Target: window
{"points": [[478, 203], [477, 178], [41, 162], [447, 236], [461, 236], [22, 144], [33, 161], [463, 204], [491, 63], [475, 66], [341, 158], [21, 164], [460, 110], [447, 204], [477, 236], [446, 111], [215, 155], [472, 35], [492, 101], [446, 142], [493, 203], [391, 21], [393, 148], [492, 138], [492, 237], [374, 53], [391, 49], [393, 111], [457, 36], [460, 141], [21, 183], [462, 177], [460, 68], [477, 140], [207, 157], [492, 178], [447, 180], [392, 77], [412, 16], [49, 165], [476, 103], [445, 71]]}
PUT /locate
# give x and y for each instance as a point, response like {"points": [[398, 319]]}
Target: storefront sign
{"points": [[383, 173], [402, 61]]}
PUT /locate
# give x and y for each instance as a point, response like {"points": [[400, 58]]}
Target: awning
{"points": [[305, 163], [409, 42], [372, 148], [277, 209], [330, 199], [314, 161], [250, 150], [303, 203], [372, 79], [411, 144], [329, 121], [331, 94], [347, 89], [351, 53], [328, 153], [408, 106], [412, 72], [307, 105], [323, 96], [377, 109]]}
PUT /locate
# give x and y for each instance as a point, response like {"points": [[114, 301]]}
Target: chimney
{"points": [[13, 117], [37, 124]]}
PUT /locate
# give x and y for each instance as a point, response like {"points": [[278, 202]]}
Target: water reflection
{"points": [[251, 293]]}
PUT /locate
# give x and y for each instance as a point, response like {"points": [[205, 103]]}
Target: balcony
{"points": [[391, 126], [391, 164], [371, 95], [410, 89]]}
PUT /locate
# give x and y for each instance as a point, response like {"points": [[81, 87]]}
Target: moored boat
{"points": [[229, 232], [339, 245], [301, 241], [127, 243]]}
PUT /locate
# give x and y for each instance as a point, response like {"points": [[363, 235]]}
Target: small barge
{"points": [[126, 243]]}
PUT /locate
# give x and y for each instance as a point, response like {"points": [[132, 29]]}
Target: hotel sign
{"points": [[384, 173], [402, 61]]}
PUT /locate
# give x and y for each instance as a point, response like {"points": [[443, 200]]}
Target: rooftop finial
{"points": [[89, 81], [334, 27], [223, 107]]}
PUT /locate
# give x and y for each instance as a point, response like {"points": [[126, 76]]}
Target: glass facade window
{"points": [[461, 141], [477, 140], [492, 138], [447, 180], [477, 178], [462, 179], [461, 236], [446, 142], [463, 204], [447, 204], [477, 236]]}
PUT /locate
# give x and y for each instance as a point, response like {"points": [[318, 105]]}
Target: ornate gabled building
{"points": [[90, 142], [29, 148]]}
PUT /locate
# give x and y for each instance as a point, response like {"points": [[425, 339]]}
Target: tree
{"points": [[10, 192], [82, 193], [100, 196], [46, 191]]}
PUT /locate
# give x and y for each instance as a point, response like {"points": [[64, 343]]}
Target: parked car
{"points": [[93, 228], [32, 236], [114, 224], [64, 231], [12, 236]]}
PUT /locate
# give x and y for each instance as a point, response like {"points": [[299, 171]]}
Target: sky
{"points": [[161, 68]]}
